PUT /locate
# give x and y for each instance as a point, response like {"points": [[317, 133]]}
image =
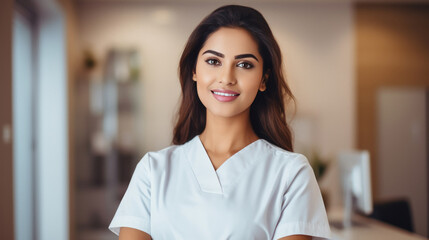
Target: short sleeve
{"points": [[303, 211], [134, 209]]}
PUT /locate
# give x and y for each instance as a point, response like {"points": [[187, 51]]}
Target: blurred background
{"points": [[89, 86]]}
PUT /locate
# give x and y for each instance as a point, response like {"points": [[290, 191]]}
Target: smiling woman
{"points": [[231, 173]]}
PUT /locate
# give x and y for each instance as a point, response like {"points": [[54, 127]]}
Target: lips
{"points": [[224, 95]]}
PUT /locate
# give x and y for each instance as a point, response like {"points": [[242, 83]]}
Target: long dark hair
{"points": [[267, 112]]}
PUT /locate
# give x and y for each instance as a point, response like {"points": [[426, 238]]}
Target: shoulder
{"points": [[161, 157], [165, 157], [286, 163], [164, 153], [282, 155]]}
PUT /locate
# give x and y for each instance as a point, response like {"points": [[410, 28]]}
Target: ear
{"points": [[263, 86], [194, 76]]}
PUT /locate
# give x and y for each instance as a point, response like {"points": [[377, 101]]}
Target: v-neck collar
{"points": [[215, 181]]}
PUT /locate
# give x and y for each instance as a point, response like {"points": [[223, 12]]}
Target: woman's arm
{"points": [[296, 237], [133, 234]]}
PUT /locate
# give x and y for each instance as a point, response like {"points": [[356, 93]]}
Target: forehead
{"points": [[231, 42]]}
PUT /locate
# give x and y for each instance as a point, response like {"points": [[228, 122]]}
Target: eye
{"points": [[245, 65], [212, 61]]}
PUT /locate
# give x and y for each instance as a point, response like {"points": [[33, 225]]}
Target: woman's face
{"points": [[229, 72]]}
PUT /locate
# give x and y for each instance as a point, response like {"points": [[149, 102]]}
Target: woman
{"points": [[231, 173]]}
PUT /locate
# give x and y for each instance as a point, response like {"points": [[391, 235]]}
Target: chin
{"points": [[227, 113]]}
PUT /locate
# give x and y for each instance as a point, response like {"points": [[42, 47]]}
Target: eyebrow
{"points": [[247, 55]]}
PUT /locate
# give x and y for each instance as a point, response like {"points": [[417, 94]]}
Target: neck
{"points": [[223, 135]]}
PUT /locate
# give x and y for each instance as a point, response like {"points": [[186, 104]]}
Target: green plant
{"points": [[319, 165]]}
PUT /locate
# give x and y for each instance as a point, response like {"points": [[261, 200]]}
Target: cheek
{"points": [[203, 83], [205, 74], [251, 84], [203, 92]]}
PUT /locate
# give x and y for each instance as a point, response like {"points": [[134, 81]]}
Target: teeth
{"points": [[225, 94]]}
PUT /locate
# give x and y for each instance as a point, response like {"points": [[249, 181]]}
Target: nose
{"points": [[228, 76]]}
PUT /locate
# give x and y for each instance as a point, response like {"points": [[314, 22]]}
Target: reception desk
{"points": [[367, 229]]}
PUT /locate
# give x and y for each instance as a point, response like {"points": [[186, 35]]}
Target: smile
{"points": [[225, 94]]}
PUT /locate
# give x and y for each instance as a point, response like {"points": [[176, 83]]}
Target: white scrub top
{"points": [[261, 192]]}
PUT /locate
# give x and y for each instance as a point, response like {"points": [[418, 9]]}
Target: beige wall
{"points": [[6, 158]]}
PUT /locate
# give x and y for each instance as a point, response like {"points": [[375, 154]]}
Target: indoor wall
{"points": [[393, 54]]}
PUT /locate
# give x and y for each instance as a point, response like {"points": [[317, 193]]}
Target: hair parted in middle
{"points": [[267, 112]]}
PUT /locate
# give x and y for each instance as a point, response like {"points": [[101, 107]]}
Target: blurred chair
{"points": [[394, 212]]}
